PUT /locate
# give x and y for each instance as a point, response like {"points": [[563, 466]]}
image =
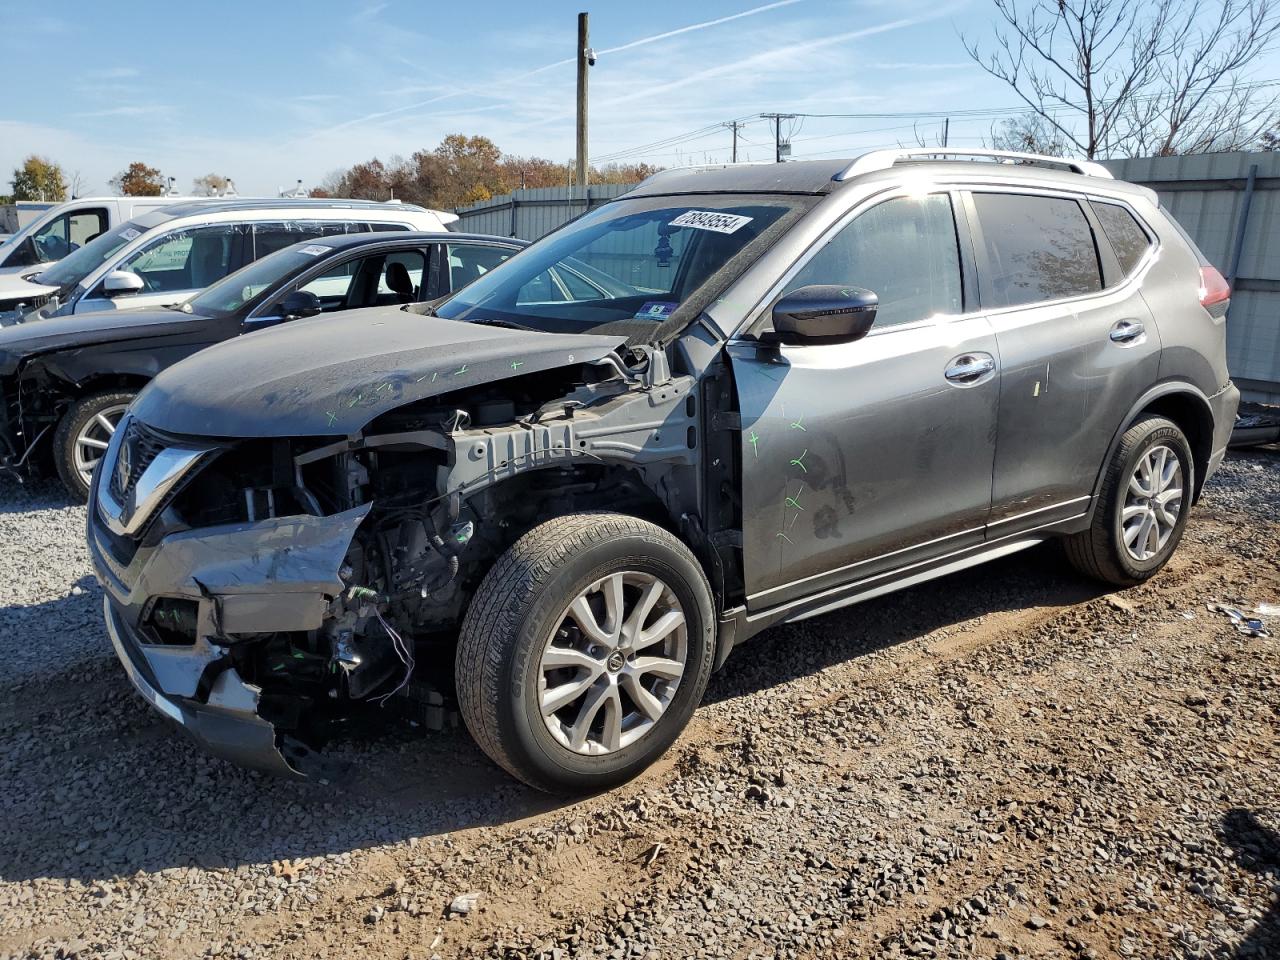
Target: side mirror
{"points": [[299, 304], [122, 283], [824, 313]]}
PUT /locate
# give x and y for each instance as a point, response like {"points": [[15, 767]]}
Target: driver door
{"points": [[859, 458], [173, 268]]}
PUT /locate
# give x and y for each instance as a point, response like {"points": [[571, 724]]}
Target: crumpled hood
{"points": [[37, 335], [329, 376]]}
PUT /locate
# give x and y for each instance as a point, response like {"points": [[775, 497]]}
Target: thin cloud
{"points": [[559, 63], [141, 110], [696, 26]]}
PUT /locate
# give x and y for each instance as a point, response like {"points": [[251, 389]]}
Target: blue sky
{"points": [[270, 92]]}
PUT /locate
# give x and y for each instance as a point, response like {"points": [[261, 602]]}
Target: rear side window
{"points": [[904, 250], [1129, 241], [270, 237], [1038, 248]]}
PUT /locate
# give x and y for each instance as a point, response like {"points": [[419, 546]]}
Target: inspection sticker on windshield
{"points": [[314, 249], [656, 310], [710, 220], [130, 233]]}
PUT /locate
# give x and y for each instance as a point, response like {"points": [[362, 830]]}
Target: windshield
{"points": [[77, 265], [625, 268], [234, 291]]}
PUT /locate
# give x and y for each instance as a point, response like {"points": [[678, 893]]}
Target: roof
{"points": [[800, 176], [345, 241], [236, 204], [817, 177]]}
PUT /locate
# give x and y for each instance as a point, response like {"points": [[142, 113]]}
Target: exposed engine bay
{"points": [[353, 559]]}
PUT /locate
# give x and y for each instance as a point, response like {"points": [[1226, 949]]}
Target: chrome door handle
{"points": [[1127, 331], [971, 368]]}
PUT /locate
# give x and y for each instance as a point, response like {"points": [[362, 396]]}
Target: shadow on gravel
{"points": [[1037, 577], [102, 787], [1257, 849]]}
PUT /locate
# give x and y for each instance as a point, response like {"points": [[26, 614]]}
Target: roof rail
{"points": [[884, 159]]}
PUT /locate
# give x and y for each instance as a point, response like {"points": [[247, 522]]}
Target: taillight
{"points": [[1214, 288]]}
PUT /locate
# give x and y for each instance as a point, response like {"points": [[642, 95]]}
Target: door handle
{"points": [[970, 369], [1127, 331]]}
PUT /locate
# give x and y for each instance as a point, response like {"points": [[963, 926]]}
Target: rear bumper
{"points": [[1223, 405]]}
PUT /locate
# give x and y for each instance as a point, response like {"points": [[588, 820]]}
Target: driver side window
{"points": [[905, 250], [185, 260], [59, 237]]}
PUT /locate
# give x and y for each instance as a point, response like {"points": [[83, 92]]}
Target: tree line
{"points": [[461, 170], [42, 179]]}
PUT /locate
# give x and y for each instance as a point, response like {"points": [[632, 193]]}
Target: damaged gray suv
{"points": [[733, 398]]}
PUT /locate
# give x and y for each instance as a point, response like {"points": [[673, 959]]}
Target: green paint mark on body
{"points": [[796, 424], [517, 364], [795, 501], [783, 536], [460, 371], [799, 461], [754, 440], [333, 418]]}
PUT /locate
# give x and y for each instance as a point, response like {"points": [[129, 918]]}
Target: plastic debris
{"points": [[1244, 623]]}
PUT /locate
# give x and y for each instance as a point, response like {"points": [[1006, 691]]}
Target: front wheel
{"points": [[82, 437], [1142, 509], [585, 650]]}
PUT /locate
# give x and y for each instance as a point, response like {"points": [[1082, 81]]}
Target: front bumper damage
{"points": [[244, 579]]}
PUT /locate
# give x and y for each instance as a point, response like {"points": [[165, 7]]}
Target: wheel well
{"points": [[1193, 417], [111, 381], [525, 500]]}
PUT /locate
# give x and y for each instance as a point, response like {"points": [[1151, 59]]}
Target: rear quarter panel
{"points": [[1194, 342]]}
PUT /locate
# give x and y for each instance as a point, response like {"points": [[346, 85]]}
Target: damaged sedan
{"points": [[735, 397]]}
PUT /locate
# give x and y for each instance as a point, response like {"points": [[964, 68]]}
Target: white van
{"points": [[166, 256], [68, 226]]}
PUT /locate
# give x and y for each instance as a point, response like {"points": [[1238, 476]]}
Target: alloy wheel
{"points": [[92, 439], [612, 666], [1152, 503]]}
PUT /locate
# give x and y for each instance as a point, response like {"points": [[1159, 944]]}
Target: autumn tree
{"points": [[1137, 77], [39, 178], [460, 170], [138, 180], [210, 185]]}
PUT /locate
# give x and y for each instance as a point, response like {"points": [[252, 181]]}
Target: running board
{"points": [[749, 624]]}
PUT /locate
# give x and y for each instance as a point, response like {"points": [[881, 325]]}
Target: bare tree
{"points": [[1137, 77], [1028, 133]]}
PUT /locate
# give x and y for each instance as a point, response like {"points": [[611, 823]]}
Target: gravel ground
{"points": [[1005, 763]]}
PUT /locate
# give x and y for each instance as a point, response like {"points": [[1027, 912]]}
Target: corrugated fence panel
{"points": [[1206, 194], [530, 214]]}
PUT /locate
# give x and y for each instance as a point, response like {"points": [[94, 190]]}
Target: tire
{"points": [[79, 427], [1104, 551], [506, 653]]}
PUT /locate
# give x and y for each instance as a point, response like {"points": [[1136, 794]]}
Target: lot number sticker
{"points": [[710, 220]]}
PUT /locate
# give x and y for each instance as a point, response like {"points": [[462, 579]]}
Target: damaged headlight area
{"points": [[304, 583]]}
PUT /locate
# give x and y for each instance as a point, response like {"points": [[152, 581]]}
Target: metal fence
{"points": [[530, 214], [1230, 204]]}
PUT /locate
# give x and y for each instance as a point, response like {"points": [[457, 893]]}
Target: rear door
{"points": [[1077, 347], [862, 457]]}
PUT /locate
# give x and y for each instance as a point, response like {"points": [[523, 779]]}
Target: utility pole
{"points": [[586, 58], [777, 119], [946, 130], [735, 126]]}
